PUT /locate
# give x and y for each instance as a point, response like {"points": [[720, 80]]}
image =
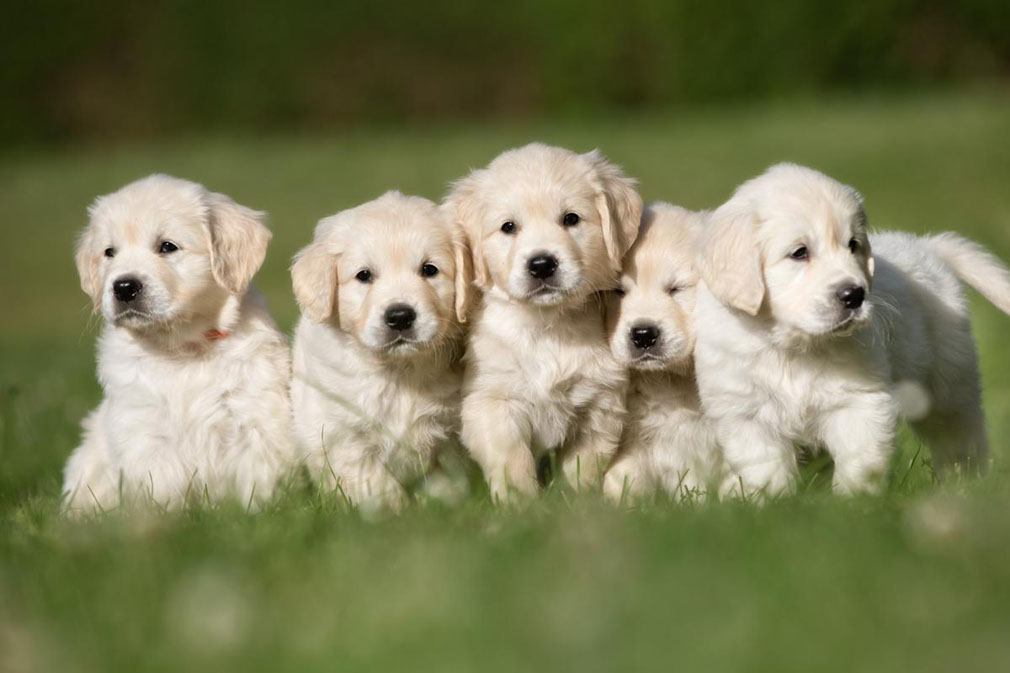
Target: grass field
{"points": [[916, 580]]}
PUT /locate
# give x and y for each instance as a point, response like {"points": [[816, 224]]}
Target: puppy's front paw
{"points": [[756, 488], [617, 484], [585, 472], [508, 489]]}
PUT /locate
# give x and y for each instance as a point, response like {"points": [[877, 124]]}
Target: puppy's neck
{"points": [[196, 332], [433, 359], [674, 387], [654, 378], [587, 310], [355, 360]]}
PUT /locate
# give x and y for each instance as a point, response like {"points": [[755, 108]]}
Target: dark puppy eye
{"points": [[167, 247], [570, 219], [801, 253], [619, 291], [673, 289], [509, 227], [854, 246], [428, 269], [365, 276], [110, 252]]}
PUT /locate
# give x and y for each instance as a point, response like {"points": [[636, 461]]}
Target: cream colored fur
{"points": [[782, 363], [540, 379], [184, 417], [372, 405], [668, 444]]}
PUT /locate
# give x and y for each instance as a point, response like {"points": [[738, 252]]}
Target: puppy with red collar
{"points": [[193, 368]]}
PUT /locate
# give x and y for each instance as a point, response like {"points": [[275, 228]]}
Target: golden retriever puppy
{"points": [[383, 289], [668, 443], [548, 229], [193, 368], [807, 338]]}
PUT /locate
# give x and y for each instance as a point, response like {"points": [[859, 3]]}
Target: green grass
{"points": [[915, 580]]}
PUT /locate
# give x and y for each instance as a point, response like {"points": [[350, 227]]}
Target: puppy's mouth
{"points": [[850, 323], [650, 361], [675, 363], [402, 344], [133, 317], [845, 325], [546, 294]]}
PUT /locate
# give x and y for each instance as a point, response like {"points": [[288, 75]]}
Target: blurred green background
{"points": [[117, 68], [311, 107]]}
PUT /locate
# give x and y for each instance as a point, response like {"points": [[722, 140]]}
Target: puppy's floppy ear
{"points": [[86, 258], [314, 273], [463, 283], [861, 227], [619, 204], [729, 259], [238, 240], [461, 203]]}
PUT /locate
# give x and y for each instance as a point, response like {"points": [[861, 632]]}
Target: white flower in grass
{"points": [[913, 400], [208, 612], [938, 522]]}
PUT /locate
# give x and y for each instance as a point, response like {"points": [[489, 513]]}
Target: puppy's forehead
{"points": [[398, 229], [664, 248], [537, 178], [157, 204], [539, 160], [805, 198]]}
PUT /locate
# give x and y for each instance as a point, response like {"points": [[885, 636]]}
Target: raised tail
{"points": [[975, 266]]}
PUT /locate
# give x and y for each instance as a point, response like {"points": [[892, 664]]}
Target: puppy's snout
{"points": [[400, 317], [542, 266], [644, 336], [851, 296], [127, 289]]}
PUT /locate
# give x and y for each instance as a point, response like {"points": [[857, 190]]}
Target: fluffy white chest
{"points": [[382, 413], [742, 374], [177, 425], [559, 388], [659, 404], [351, 404], [669, 443], [189, 412], [552, 371]]}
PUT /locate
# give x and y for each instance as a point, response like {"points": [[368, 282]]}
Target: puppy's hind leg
{"points": [[498, 436], [90, 483], [627, 478], [957, 441], [954, 427], [258, 470], [373, 487], [587, 458]]}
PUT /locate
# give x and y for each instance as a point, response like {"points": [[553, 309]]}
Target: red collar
{"points": [[210, 335], [215, 334]]}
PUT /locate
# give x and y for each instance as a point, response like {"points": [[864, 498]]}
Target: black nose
{"points": [[644, 336], [400, 317], [851, 296], [542, 266], [127, 289]]}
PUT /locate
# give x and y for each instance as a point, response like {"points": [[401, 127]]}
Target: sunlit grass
{"points": [[915, 580]]}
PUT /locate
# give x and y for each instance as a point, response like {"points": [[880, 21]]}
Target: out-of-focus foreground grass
{"points": [[917, 579]]}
